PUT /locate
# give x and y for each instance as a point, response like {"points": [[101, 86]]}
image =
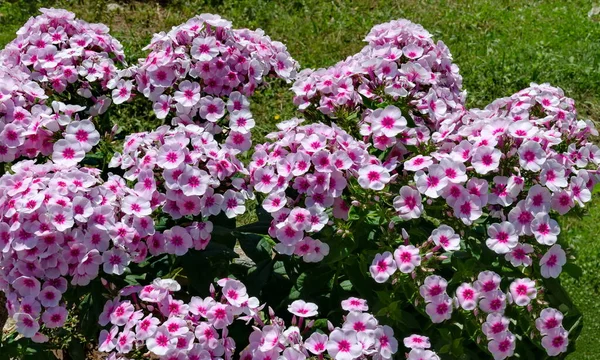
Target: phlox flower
{"points": [[549, 320], [485, 159], [493, 302], [49, 296], [176, 326], [146, 327], [27, 286], [439, 309], [67, 153], [433, 288], [454, 171], [478, 188], [170, 156], [355, 304], [502, 346], [519, 255], [360, 322], [54, 317], [303, 309], [552, 262], [373, 177], [503, 191], [487, 281], [445, 237], [239, 141], [417, 342], [121, 313], [545, 229], [553, 175], [161, 342], [241, 121], [388, 122], [199, 306], [467, 209], [162, 106], [521, 218], [432, 183], [177, 241], [407, 258], [26, 324], [115, 261], [188, 93], [562, 201], [235, 292], [502, 237], [125, 341], [122, 91], [220, 316], [383, 267], [265, 179], [408, 203], [523, 291], [233, 203], [531, 156], [556, 341], [467, 296], [581, 193], [193, 181], [421, 354], [538, 199], [343, 345], [204, 49], [495, 325], [385, 341], [108, 339], [316, 343], [417, 163], [211, 109], [12, 136]]}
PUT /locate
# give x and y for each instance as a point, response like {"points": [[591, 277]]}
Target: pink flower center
{"points": [[344, 346], [487, 160], [68, 153]]}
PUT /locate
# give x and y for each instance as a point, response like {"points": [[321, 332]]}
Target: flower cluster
{"points": [[61, 225], [401, 64], [304, 172], [23, 117], [67, 55], [153, 319], [194, 69], [31, 128], [187, 173]]}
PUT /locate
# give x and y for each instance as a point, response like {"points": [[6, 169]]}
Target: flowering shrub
{"points": [[67, 56], [155, 322], [194, 66], [389, 192], [60, 226]]}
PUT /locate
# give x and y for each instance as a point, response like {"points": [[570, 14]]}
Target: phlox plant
{"points": [[151, 320], [427, 221]]}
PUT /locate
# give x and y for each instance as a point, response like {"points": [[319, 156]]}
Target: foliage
{"points": [[362, 223]]}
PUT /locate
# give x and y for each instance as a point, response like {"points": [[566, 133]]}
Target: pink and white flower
{"points": [[552, 262], [383, 267]]}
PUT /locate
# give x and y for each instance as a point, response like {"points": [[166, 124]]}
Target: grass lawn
{"points": [[500, 45]]}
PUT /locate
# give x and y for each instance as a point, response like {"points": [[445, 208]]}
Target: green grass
{"points": [[500, 47]]}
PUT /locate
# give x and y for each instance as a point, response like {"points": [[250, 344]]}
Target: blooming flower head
{"points": [[383, 267], [407, 258], [301, 308], [552, 262]]}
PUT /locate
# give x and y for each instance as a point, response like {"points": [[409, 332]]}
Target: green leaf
{"points": [[573, 270], [257, 247]]}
